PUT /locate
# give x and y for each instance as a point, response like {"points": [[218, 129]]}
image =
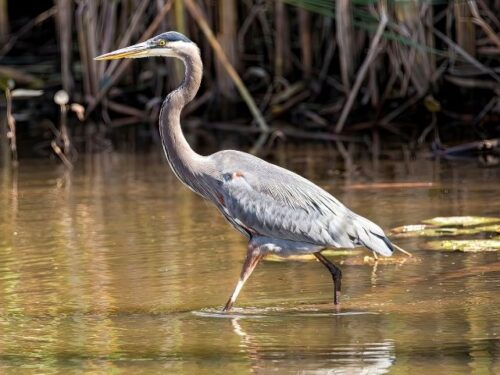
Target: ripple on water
{"points": [[263, 312], [111, 265]]}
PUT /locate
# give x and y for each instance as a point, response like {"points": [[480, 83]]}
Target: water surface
{"points": [[115, 267]]}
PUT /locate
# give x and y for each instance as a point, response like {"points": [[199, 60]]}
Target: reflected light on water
{"points": [[359, 358], [116, 267]]}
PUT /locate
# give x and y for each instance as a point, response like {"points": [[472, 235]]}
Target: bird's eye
{"points": [[161, 42]]}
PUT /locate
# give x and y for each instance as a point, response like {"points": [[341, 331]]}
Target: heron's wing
{"points": [[268, 200]]}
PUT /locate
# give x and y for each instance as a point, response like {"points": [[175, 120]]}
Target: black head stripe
{"points": [[173, 36]]}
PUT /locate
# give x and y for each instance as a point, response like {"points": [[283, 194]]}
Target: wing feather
{"points": [[263, 199], [274, 202]]}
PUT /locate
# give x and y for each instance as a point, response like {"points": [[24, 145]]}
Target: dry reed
{"points": [[320, 64]]}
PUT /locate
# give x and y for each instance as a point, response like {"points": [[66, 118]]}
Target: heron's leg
{"points": [[254, 255], [336, 275]]}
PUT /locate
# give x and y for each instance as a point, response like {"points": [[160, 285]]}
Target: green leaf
{"points": [[422, 230], [464, 221], [482, 226], [469, 246]]}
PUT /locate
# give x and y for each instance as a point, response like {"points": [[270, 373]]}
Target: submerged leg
{"points": [[336, 275], [254, 255]]}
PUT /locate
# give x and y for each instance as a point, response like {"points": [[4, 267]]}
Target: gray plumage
{"points": [[279, 211], [262, 199]]}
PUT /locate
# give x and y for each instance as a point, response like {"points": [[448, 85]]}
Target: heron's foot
{"points": [[337, 307], [336, 276], [337, 284], [336, 297], [229, 306]]}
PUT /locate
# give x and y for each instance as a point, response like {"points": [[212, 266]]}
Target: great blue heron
{"points": [[278, 211]]}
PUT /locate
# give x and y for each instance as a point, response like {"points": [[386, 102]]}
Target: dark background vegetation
{"points": [[421, 74]]}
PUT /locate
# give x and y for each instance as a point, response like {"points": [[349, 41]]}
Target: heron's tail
{"points": [[372, 236]]}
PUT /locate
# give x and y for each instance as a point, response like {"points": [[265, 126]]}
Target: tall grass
{"points": [[318, 64]]}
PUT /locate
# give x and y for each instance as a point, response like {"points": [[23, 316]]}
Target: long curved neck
{"points": [[185, 162]]}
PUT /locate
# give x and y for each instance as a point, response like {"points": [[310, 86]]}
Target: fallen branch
{"points": [[459, 50]]}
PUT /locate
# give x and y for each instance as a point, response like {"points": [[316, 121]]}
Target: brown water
{"points": [[117, 268]]}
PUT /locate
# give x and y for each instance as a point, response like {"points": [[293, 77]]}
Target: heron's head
{"points": [[171, 43]]}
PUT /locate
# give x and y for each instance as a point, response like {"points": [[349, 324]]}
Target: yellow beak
{"points": [[135, 51]]}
